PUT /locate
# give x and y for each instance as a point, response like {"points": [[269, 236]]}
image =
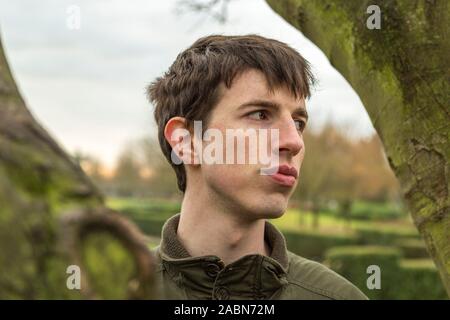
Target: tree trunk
{"points": [[39, 239], [401, 75]]}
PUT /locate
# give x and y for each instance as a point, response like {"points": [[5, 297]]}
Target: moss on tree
{"points": [[401, 75], [46, 205]]}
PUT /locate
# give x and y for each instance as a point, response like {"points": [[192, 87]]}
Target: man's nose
{"points": [[291, 140]]}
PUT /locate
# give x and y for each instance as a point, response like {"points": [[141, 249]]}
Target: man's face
{"points": [[249, 104]]}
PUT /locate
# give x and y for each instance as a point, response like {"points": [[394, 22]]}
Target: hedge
{"points": [[151, 226], [145, 207], [375, 211], [371, 235], [420, 280], [314, 245], [412, 248], [400, 278], [149, 216], [308, 244]]}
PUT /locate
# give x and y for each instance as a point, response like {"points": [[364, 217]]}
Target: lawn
{"points": [[328, 223], [332, 224]]}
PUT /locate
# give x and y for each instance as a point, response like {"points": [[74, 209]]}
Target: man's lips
{"points": [[285, 175]]}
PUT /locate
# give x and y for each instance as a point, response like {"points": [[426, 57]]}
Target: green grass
{"points": [[149, 205], [150, 214], [331, 224], [328, 223]]}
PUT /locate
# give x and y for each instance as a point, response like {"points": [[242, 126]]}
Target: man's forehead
{"points": [[252, 85]]}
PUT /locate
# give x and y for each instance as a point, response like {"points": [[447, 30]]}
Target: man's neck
{"points": [[205, 228]]}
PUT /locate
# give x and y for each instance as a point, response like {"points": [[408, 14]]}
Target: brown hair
{"points": [[190, 88]]}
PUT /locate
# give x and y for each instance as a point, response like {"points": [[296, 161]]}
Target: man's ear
{"points": [[179, 137]]}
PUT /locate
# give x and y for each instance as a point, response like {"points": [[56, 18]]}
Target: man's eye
{"points": [[300, 125], [258, 115]]}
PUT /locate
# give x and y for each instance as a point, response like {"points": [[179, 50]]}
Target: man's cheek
{"points": [[301, 157], [224, 176]]}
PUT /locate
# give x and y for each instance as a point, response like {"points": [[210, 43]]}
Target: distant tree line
{"points": [[336, 168]]}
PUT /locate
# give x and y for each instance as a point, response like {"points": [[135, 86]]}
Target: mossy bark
{"points": [[401, 73], [39, 185]]}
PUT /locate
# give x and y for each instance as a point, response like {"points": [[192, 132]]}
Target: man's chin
{"points": [[272, 206]]}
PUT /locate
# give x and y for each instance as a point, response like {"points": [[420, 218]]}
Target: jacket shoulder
{"points": [[310, 278]]}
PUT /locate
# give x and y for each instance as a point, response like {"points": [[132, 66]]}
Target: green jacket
{"points": [[283, 275]]}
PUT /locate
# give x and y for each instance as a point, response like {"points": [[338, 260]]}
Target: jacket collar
{"points": [[252, 276]]}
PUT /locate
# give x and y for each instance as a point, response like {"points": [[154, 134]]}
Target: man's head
{"points": [[237, 82]]}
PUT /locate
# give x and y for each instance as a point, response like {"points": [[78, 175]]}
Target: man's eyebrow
{"points": [[300, 111]]}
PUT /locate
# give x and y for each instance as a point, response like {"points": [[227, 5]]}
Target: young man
{"points": [[220, 245]]}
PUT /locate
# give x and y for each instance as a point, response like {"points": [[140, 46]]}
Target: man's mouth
{"points": [[285, 175]]}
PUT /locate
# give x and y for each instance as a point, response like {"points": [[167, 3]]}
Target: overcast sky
{"points": [[87, 85]]}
